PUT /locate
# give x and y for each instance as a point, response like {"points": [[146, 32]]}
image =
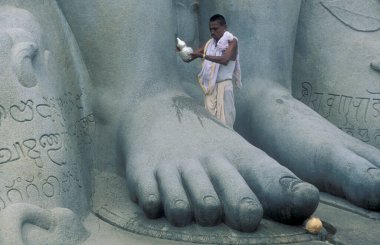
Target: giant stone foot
{"points": [[187, 165], [314, 149]]}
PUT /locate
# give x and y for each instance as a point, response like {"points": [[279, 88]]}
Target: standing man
{"points": [[219, 69]]}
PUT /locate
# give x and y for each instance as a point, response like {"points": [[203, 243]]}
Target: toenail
{"points": [[152, 202], [210, 201], [152, 199], [250, 213], [180, 204], [179, 214], [290, 183], [152, 206], [374, 172], [248, 202]]}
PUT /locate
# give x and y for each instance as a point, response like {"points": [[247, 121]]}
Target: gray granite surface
{"points": [[104, 138]]}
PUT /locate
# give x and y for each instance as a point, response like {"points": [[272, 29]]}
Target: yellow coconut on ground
{"points": [[313, 225]]}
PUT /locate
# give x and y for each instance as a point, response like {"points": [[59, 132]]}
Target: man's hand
{"points": [[196, 54]]}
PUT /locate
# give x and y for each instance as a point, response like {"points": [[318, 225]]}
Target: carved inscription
{"points": [[11, 154], [50, 108], [23, 112], [351, 113], [37, 187], [49, 146], [52, 143], [81, 129]]}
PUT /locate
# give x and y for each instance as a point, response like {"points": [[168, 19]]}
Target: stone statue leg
{"points": [[41, 160], [289, 131], [179, 161]]}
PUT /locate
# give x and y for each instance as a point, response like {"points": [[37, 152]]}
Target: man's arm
{"points": [[229, 54]]}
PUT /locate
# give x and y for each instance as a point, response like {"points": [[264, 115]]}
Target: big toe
{"points": [[304, 199]]}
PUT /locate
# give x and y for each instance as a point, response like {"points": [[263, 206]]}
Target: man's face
{"points": [[216, 29]]}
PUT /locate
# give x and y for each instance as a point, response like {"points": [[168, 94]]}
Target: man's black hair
{"points": [[220, 18]]}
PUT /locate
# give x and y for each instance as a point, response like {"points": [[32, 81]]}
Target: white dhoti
{"points": [[220, 102]]}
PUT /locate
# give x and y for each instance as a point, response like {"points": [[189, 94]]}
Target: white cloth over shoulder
{"points": [[207, 76]]}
